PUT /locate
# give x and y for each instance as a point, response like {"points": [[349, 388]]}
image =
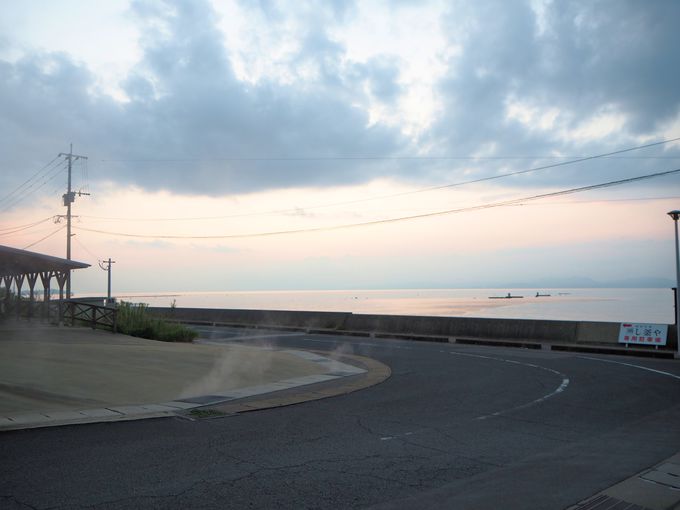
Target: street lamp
{"points": [[675, 215]]}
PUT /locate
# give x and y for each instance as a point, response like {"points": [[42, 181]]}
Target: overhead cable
{"points": [[367, 158], [75, 238], [46, 237], [394, 195], [29, 179], [399, 219], [49, 176], [19, 228], [597, 201]]}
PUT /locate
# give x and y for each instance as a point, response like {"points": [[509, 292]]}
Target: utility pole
{"points": [[106, 266], [69, 198]]}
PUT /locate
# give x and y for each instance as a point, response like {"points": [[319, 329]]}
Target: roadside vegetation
{"points": [[135, 320]]}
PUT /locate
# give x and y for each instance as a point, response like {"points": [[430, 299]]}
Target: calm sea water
{"points": [[616, 305]]}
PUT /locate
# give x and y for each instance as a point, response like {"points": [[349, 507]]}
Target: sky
{"points": [[244, 145]]}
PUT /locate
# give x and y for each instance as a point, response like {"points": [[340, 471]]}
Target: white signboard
{"points": [[647, 334]]}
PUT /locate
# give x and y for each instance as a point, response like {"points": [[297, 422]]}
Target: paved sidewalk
{"points": [[52, 376], [656, 488]]}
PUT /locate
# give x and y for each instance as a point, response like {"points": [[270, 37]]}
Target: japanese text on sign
{"points": [[647, 334]]}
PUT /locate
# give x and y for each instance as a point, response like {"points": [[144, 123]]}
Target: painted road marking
{"points": [[561, 388], [563, 385], [362, 344], [218, 341], [660, 372], [389, 438]]}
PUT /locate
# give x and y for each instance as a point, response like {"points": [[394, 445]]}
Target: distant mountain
{"points": [[635, 283]]}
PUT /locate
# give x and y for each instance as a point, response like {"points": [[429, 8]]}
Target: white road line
{"points": [[389, 438], [563, 385], [661, 372], [362, 344], [249, 337], [559, 389]]}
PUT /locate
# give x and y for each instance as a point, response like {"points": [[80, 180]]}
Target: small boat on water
{"points": [[538, 294], [509, 296]]}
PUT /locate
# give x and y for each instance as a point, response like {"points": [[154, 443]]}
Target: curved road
{"points": [[453, 427]]}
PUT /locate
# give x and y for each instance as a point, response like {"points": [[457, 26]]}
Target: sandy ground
{"points": [[49, 368]]}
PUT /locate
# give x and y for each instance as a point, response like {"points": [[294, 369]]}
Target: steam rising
{"points": [[236, 366]]}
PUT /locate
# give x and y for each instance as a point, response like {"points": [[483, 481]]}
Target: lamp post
{"points": [[675, 215]]}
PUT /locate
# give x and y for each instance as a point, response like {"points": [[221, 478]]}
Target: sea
{"points": [[592, 304]]}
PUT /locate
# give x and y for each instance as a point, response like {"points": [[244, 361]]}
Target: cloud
{"points": [[615, 52], [185, 102], [566, 78], [382, 74], [526, 79]]}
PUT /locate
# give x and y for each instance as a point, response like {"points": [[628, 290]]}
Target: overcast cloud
{"points": [[576, 77], [516, 79]]}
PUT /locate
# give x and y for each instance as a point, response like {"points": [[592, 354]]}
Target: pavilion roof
{"points": [[16, 262]]}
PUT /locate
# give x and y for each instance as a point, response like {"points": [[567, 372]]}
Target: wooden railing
{"points": [[65, 311], [96, 316]]}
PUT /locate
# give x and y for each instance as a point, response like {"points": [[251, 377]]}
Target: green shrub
{"points": [[135, 320]]}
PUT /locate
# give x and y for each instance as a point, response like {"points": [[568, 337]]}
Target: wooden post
{"points": [[19, 280], [45, 278], [62, 278], [32, 278]]}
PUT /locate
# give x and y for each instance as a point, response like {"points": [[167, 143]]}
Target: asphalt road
{"points": [[454, 427]]}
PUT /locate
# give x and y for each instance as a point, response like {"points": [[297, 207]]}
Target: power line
{"points": [[366, 158], [86, 172], [46, 237], [394, 195], [17, 228], [610, 200], [46, 179], [25, 227], [28, 180], [85, 248], [36, 231], [399, 219], [48, 175], [374, 158]]}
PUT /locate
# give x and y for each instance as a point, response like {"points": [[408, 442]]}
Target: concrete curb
{"points": [[374, 373], [335, 371], [656, 488]]}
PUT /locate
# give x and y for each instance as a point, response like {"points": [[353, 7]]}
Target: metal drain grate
{"points": [[603, 502]]}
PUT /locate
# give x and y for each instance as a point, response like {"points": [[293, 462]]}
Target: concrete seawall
{"points": [[432, 328]]}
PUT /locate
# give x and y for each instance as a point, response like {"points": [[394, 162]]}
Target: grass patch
{"points": [[205, 413], [135, 320]]}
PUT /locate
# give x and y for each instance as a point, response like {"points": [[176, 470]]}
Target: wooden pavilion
{"points": [[19, 267]]}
